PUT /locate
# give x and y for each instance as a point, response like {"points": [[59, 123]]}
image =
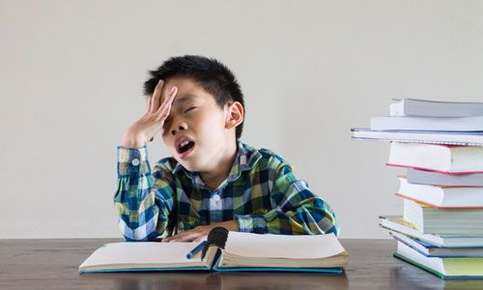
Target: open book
{"points": [[234, 251]]}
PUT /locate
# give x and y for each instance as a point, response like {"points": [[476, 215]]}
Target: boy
{"points": [[213, 179]]}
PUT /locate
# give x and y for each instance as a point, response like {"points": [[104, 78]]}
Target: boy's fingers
{"points": [[163, 112], [148, 109], [168, 100], [180, 237], [156, 96], [195, 234], [187, 236], [199, 239], [172, 238]]}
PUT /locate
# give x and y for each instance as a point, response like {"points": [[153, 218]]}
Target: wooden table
{"points": [[52, 264]]}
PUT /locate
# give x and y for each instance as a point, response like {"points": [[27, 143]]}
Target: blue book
{"points": [[430, 250], [236, 252]]}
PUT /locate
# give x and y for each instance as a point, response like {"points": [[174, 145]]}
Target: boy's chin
{"points": [[188, 165]]}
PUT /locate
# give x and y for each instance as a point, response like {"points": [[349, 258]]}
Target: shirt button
{"points": [[135, 162]]}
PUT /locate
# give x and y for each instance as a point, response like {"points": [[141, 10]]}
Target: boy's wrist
{"points": [[133, 140], [230, 225]]}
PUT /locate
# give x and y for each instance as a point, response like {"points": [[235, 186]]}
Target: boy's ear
{"points": [[234, 115]]}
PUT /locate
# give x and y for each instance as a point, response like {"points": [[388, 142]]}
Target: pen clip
{"points": [[217, 237]]}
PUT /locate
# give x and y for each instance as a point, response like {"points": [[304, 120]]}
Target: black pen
{"points": [[196, 250]]}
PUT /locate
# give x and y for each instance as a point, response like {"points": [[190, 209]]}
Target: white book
{"points": [[142, 256], [474, 123], [398, 224], [417, 176], [441, 196], [431, 220], [430, 108], [240, 252], [437, 157], [428, 137]]}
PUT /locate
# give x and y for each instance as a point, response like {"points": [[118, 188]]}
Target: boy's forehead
{"points": [[188, 90], [183, 84]]}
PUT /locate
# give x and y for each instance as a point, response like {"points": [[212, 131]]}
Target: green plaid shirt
{"points": [[261, 194]]}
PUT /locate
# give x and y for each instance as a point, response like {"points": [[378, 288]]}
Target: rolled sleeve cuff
{"points": [[251, 224], [132, 160]]}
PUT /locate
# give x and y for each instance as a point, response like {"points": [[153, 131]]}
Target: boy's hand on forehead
{"points": [[200, 232], [161, 97], [152, 122]]}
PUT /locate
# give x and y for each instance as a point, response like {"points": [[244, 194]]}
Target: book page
{"points": [[283, 246], [142, 253]]}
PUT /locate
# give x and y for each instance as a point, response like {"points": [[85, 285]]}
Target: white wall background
{"points": [[71, 75]]}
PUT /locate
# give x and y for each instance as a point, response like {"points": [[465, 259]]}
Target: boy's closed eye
{"points": [[189, 109]]}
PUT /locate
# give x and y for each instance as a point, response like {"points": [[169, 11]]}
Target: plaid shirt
{"points": [[261, 194]]}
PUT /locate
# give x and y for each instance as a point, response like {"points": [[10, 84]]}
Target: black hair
{"points": [[210, 74]]}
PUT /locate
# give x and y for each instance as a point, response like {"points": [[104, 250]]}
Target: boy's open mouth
{"points": [[185, 146]]}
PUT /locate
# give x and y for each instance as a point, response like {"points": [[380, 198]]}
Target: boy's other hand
{"points": [[144, 129], [197, 234]]}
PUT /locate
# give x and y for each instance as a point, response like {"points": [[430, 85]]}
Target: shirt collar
{"points": [[246, 158]]}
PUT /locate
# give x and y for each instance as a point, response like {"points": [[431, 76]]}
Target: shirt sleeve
{"points": [[297, 210], [142, 201]]}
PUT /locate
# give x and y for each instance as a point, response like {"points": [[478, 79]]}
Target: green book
{"points": [[444, 267]]}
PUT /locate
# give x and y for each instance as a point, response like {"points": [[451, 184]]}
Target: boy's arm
{"points": [[142, 203], [297, 210]]}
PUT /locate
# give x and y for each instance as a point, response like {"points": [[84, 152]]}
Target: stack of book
{"points": [[441, 146]]}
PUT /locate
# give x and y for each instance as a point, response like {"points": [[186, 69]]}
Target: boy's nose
{"points": [[180, 127]]}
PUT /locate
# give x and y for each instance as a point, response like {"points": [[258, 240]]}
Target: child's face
{"points": [[194, 117]]}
